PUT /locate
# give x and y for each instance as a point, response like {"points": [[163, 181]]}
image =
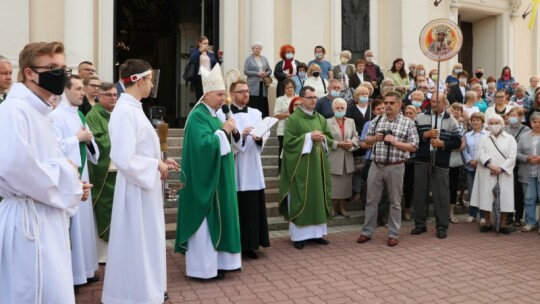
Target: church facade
{"points": [[107, 32]]}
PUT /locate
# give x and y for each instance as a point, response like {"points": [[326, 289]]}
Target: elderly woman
{"points": [[285, 68], [204, 58], [358, 76], [456, 162], [256, 68], [418, 101], [517, 130], [410, 112], [521, 99], [281, 112], [534, 108], [316, 81], [360, 113], [343, 69], [480, 103], [300, 77], [387, 85], [469, 107], [528, 155], [489, 94], [469, 158], [457, 92], [496, 156], [501, 106], [399, 76], [341, 156], [452, 79]]}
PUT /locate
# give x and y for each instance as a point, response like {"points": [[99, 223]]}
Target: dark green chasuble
{"points": [[210, 186], [306, 177], [103, 180]]}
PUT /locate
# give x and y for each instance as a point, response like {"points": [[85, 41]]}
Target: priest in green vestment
{"points": [[208, 228], [102, 175], [304, 189]]}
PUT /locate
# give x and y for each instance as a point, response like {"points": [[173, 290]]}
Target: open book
{"points": [[263, 126]]}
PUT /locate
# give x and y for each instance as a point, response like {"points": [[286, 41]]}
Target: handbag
{"points": [[359, 163], [456, 160], [267, 81], [190, 71]]}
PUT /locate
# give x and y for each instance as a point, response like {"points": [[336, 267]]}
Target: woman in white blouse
{"points": [[316, 81], [281, 112]]}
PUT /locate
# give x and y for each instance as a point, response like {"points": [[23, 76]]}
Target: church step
{"points": [[270, 171], [176, 151], [356, 217], [270, 195]]}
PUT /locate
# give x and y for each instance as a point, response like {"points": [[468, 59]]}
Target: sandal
{"points": [[454, 220]]}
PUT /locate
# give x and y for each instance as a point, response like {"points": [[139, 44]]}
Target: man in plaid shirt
{"points": [[393, 137]]}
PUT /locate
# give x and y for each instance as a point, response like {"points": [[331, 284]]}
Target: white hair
{"points": [[337, 101], [498, 118], [256, 43]]}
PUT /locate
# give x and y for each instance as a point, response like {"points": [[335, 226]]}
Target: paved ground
{"points": [[467, 267]]}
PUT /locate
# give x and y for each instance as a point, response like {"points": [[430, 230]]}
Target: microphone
{"points": [[227, 111]]}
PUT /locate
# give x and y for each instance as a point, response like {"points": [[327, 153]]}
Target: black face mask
{"points": [[479, 75], [53, 83], [316, 74]]}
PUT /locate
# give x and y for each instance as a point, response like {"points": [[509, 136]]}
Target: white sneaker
{"points": [[482, 222], [528, 228], [471, 219]]}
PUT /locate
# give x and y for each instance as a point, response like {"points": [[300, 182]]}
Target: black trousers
{"points": [[455, 178], [280, 139], [408, 183]]}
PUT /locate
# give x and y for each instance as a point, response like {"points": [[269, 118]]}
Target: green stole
{"points": [[82, 145]]}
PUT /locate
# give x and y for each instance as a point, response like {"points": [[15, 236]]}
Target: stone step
{"points": [[269, 160], [275, 223], [179, 141], [176, 151], [270, 171]]}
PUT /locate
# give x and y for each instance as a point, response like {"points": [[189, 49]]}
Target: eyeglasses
{"points": [[95, 86], [109, 95], [312, 97], [89, 70], [390, 102], [53, 69], [241, 92]]}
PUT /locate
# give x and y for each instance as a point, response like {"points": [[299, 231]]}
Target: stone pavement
{"points": [[467, 267]]}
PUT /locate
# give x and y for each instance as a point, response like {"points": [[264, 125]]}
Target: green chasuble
{"points": [[103, 180], [210, 186], [305, 176]]}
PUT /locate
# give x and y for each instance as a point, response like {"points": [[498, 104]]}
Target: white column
{"points": [[79, 32], [229, 34], [262, 27], [503, 41], [410, 31], [16, 34], [335, 13], [452, 15], [374, 25], [536, 48], [105, 60]]}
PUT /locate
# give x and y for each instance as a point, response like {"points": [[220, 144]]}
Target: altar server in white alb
{"points": [[41, 188], [249, 173], [78, 145], [136, 271]]}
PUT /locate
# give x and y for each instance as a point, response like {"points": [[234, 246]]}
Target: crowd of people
{"points": [[346, 133]]}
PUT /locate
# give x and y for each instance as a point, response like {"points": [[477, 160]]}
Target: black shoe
{"points": [[418, 230], [92, 279], [251, 254], [505, 231], [485, 228], [509, 221], [76, 289], [165, 297], [441, 234], [321, 241], [299, 245], [220, 276]]}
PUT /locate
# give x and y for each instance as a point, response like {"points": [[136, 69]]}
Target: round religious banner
{"points": [[441, 39]]}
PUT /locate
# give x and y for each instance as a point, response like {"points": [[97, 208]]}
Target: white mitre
{"points": [[213, 80]]}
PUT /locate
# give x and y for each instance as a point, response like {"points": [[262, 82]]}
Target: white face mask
{"points": [[495, 129]]}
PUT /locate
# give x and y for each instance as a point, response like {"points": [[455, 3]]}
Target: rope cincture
{"points": [[31, 223]]}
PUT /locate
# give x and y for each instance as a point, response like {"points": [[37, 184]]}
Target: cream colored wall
{"points": [[46, 20], [16, 31], [485, 46], [390, 36], [524, 52]]}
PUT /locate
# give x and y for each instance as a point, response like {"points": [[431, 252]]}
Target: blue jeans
{"points": [[532, 193], [473, 210]]}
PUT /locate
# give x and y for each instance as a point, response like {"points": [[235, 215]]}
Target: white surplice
{"points": [[247, 162], [41, 190], [135, 271], [202, 260], [67, 122]]}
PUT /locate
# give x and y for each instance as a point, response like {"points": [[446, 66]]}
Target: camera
{"points": [[386, 132]]}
